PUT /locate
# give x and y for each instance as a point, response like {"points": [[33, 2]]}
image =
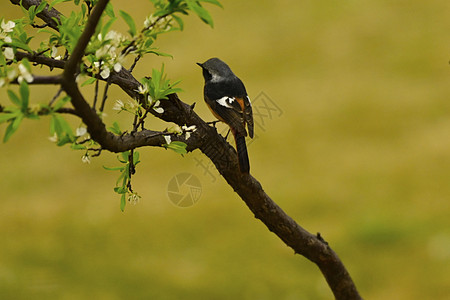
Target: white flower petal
{"points": [[159, 110], [81, 131], [54, 51], [167, 138], [8, 27], [118, 105], [53, 138], [86, 159], [117, 67], [9, 53], [105, 73]]}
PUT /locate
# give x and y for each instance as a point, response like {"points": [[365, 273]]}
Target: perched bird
{"points": [[227, 99]]}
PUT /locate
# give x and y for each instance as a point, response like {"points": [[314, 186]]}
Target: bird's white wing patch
{"points": [[225, 101]]}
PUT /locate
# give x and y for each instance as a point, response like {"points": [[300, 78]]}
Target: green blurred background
{"points": [[358, 150]]}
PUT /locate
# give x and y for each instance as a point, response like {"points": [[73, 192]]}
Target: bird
{"points": [[227, 98]]}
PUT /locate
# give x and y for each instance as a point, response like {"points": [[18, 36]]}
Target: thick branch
{"points": [[212, 145]]}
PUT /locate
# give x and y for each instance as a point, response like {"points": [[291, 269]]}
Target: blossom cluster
{"points": [[10, 74], [107, 55]]}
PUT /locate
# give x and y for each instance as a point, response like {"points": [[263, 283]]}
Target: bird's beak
{"points": [[201, 65]]}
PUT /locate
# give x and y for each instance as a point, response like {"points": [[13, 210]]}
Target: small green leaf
{"points": [[123, 202], [76, 146], [41, 7], [120, 189], [25, 95], [12, 127], [14, 98], [179, 21], [129, 20], [65, 139], [115, 129], [109, 10], [124, 157], [177, 146], [7, 116], [89, 81], [136, 157], [113, 168], [200, 11]]}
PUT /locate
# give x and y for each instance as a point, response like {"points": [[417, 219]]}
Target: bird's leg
{"points": [[213, 123]]}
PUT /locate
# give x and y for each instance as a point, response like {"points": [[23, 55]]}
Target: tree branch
{"points": [[205, 138], [48, 16]]}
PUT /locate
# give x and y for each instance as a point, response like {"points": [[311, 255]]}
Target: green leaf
{"points": [[41, 7], [109, 10], [136, 158], [76, 146], [14, 98], [89, 81], [62, 129], [25, 94], [123, 202], [113, 168], [120, 189], [177, 146], [65, 139], [7, 116], [129, 20], [200, 11], [12, 127], [115, 129], [179, 21]]}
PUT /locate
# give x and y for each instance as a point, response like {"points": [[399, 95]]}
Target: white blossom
{"points": [[8, 39], [53, 138], [8, 52], [105, 72], [81, 131], [118, 105], [159, 110], [12, 74], [8, 26], [117, 67], [190, 128], [54, 53], [133, 198], [86, 159], [2, 82], [24, 74], [168, 139], [143, 89]]}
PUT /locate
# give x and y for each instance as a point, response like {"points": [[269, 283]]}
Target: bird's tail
{"points": [[241, 148]]}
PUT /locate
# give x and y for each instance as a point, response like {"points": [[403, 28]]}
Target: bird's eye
{"points": [[206, 74]]}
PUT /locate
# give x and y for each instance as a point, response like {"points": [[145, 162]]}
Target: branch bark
{"points": [[205, 138]]}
